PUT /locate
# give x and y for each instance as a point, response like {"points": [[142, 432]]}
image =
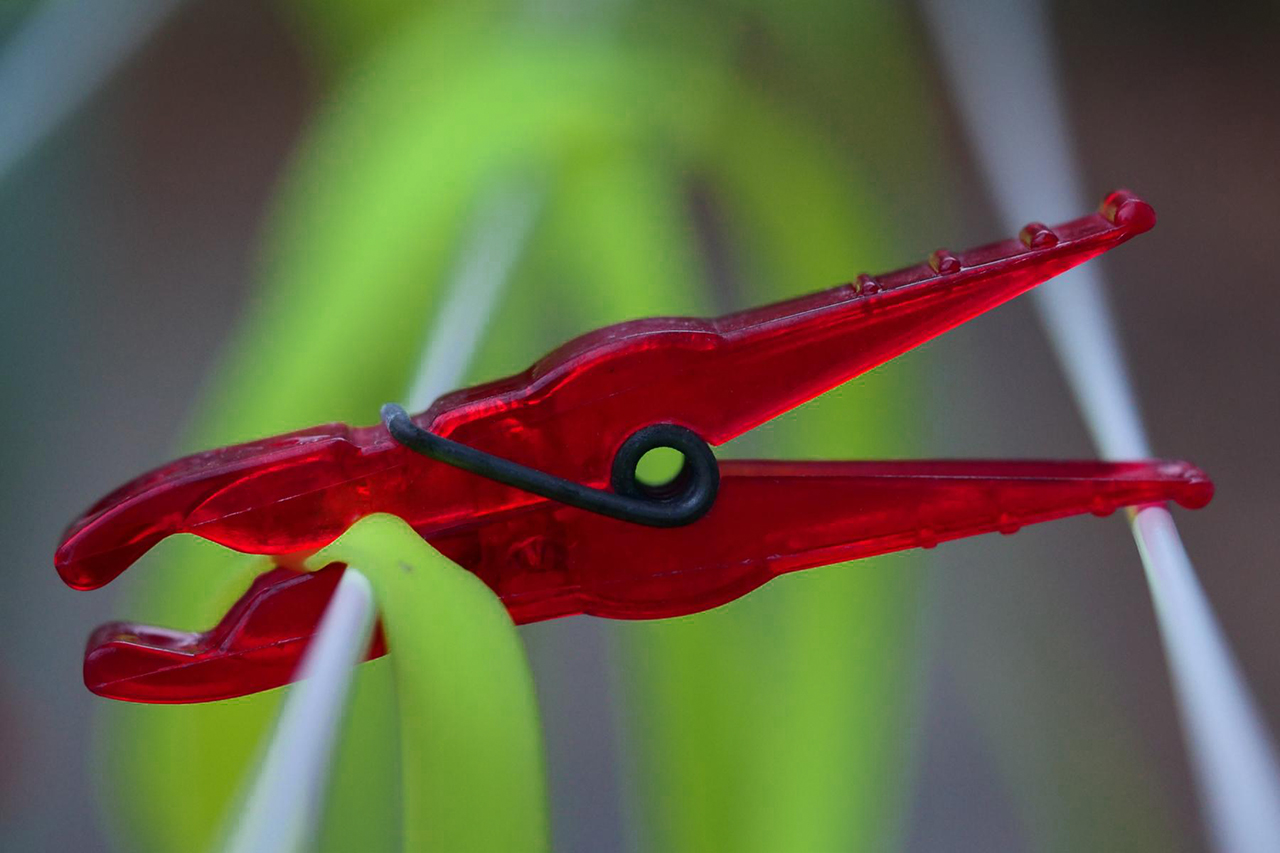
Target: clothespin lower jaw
{"points": [[256, 646], [552, 560], [571, 413]]}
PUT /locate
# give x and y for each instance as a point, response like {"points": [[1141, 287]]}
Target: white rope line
{"points": [[484, 268], [285, 802], [1231, 750], [61, 55], [282, 809], [998, 60]]}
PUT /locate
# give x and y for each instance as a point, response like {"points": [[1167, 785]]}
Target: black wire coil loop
{"points": [[684, 500]]}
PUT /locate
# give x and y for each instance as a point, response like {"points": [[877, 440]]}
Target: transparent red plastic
{"points": [[568, 415]]}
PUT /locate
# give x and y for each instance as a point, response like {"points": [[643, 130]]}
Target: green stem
{"points": [[471, 743]]}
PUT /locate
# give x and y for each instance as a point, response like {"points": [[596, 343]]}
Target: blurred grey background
{"points": [[127, 250]]}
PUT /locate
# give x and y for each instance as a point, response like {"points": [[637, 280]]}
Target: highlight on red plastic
{"points": [[567, 416]]}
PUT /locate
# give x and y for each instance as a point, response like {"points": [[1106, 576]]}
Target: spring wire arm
{"points": [[684, 500]]}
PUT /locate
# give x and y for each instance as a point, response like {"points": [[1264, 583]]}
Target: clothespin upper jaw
{"points": [[722, 377], [189, 493], [571, 412]]}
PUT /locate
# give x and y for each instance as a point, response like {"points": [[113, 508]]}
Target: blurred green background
{"points": [[250, 226]]}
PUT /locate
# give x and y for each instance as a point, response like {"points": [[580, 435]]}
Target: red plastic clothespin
{"points": [[530, 481]]}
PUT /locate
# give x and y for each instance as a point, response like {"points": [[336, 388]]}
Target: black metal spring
{"points": [[683, 500]]}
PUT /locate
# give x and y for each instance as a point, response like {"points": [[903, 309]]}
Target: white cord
{"points": [[997, 56], [284, 805], [998, 59], [484, 267], [1230, 747], [280, 812]]}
